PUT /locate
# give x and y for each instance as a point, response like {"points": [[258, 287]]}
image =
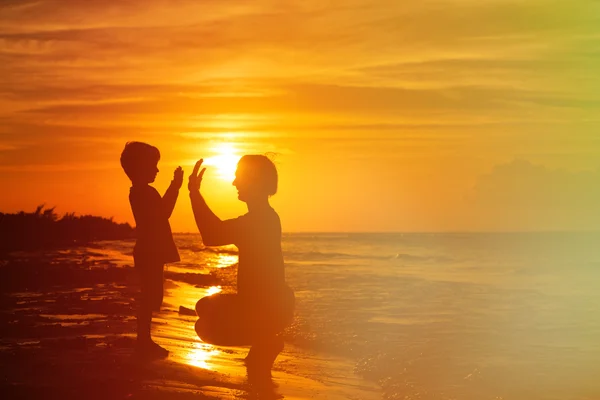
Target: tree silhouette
{"points": [[43, 228]]}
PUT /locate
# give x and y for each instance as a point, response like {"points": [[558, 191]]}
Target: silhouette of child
{"points": [[263, 305], [154, 246]]}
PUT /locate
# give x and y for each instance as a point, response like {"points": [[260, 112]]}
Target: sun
{"points": [[225, 160]]}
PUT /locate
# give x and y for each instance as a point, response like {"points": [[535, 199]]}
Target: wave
{"points": [[350, 237], [412, 257], [203, 249], [193, 279], [317, 255]]}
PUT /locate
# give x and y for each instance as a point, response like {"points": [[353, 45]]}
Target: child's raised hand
{"points": [[196, 178], [178, 177]]}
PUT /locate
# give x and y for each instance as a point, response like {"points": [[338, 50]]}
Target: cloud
{"points": [[136, 57], [27, 15], [298, 39], [521, 195], [317, 99], [518, 74], [433, 81]]}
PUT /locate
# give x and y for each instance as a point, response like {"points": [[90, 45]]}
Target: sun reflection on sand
{"points": [[200, 355], [212, 290]]}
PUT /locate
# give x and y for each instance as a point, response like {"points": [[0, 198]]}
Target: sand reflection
{"points": [[200, 355], [212, 290]]}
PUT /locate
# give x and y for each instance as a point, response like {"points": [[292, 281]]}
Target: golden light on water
{"points": [[225, 160], [212, 290], [225, 260], [222, 260], [200, 355]]}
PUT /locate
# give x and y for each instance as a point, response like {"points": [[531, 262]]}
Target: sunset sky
{"points": [[411, 115]]}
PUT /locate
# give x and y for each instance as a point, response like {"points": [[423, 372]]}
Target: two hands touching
{"points": [[194, 180]]}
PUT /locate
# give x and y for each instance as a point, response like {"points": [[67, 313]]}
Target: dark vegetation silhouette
{"points": [[44, 228]]}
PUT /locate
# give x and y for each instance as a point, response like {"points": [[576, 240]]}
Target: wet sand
{"points": [[68, 330]]}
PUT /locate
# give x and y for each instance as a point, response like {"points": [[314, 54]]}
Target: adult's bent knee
{"points": [[201, 306], [200, 328]]}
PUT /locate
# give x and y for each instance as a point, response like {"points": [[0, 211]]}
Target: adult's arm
{"points": [[214, 231]]}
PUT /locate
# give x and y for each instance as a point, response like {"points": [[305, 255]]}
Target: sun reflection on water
{"points": [[225, 260], [200, 355]]}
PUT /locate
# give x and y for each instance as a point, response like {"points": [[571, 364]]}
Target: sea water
{"points": [[441, 315]]}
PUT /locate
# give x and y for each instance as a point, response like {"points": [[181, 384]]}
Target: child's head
{"points": [[256, 175], [139, 161]]}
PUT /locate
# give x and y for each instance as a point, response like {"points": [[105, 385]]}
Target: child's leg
{"points": [[151, 279], [144, 310], [144, 320]]}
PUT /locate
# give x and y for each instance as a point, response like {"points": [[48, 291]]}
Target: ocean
{"points": [[426, 315]]}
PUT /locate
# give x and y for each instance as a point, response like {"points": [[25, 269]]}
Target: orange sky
{"points": [[384, 115]]}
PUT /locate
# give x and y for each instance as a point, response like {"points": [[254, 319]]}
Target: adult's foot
{"points": [[263, 355]]}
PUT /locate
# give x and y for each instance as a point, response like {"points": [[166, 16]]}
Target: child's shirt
{"points": [[154, 237]]}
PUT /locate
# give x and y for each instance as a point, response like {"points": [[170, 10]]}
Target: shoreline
{"points": [[68, 322]]}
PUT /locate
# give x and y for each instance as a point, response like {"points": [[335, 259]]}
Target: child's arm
{"points": [[170, 197]]}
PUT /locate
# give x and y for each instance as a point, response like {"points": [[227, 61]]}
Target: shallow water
{"points": [[425, 316]]}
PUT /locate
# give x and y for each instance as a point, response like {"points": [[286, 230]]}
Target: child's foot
{"points": [[149, 350], [158, 350]]}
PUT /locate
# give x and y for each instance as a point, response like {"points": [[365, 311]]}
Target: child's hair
{"points": [[263, 171], [136, 156]]}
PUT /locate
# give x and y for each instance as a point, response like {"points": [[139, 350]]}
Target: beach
{"points": [[69, 330], [379, 316]]}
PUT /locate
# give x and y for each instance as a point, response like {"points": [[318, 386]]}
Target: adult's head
{"points": [[255, 177]]}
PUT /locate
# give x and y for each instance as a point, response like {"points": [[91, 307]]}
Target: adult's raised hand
{"points": [[195, 179]]}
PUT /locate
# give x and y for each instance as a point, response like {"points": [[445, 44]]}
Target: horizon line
{"points": [[335, 232], [432, 232]]}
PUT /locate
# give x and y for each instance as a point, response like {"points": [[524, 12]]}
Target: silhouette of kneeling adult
{"points": [[263, 305]]}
